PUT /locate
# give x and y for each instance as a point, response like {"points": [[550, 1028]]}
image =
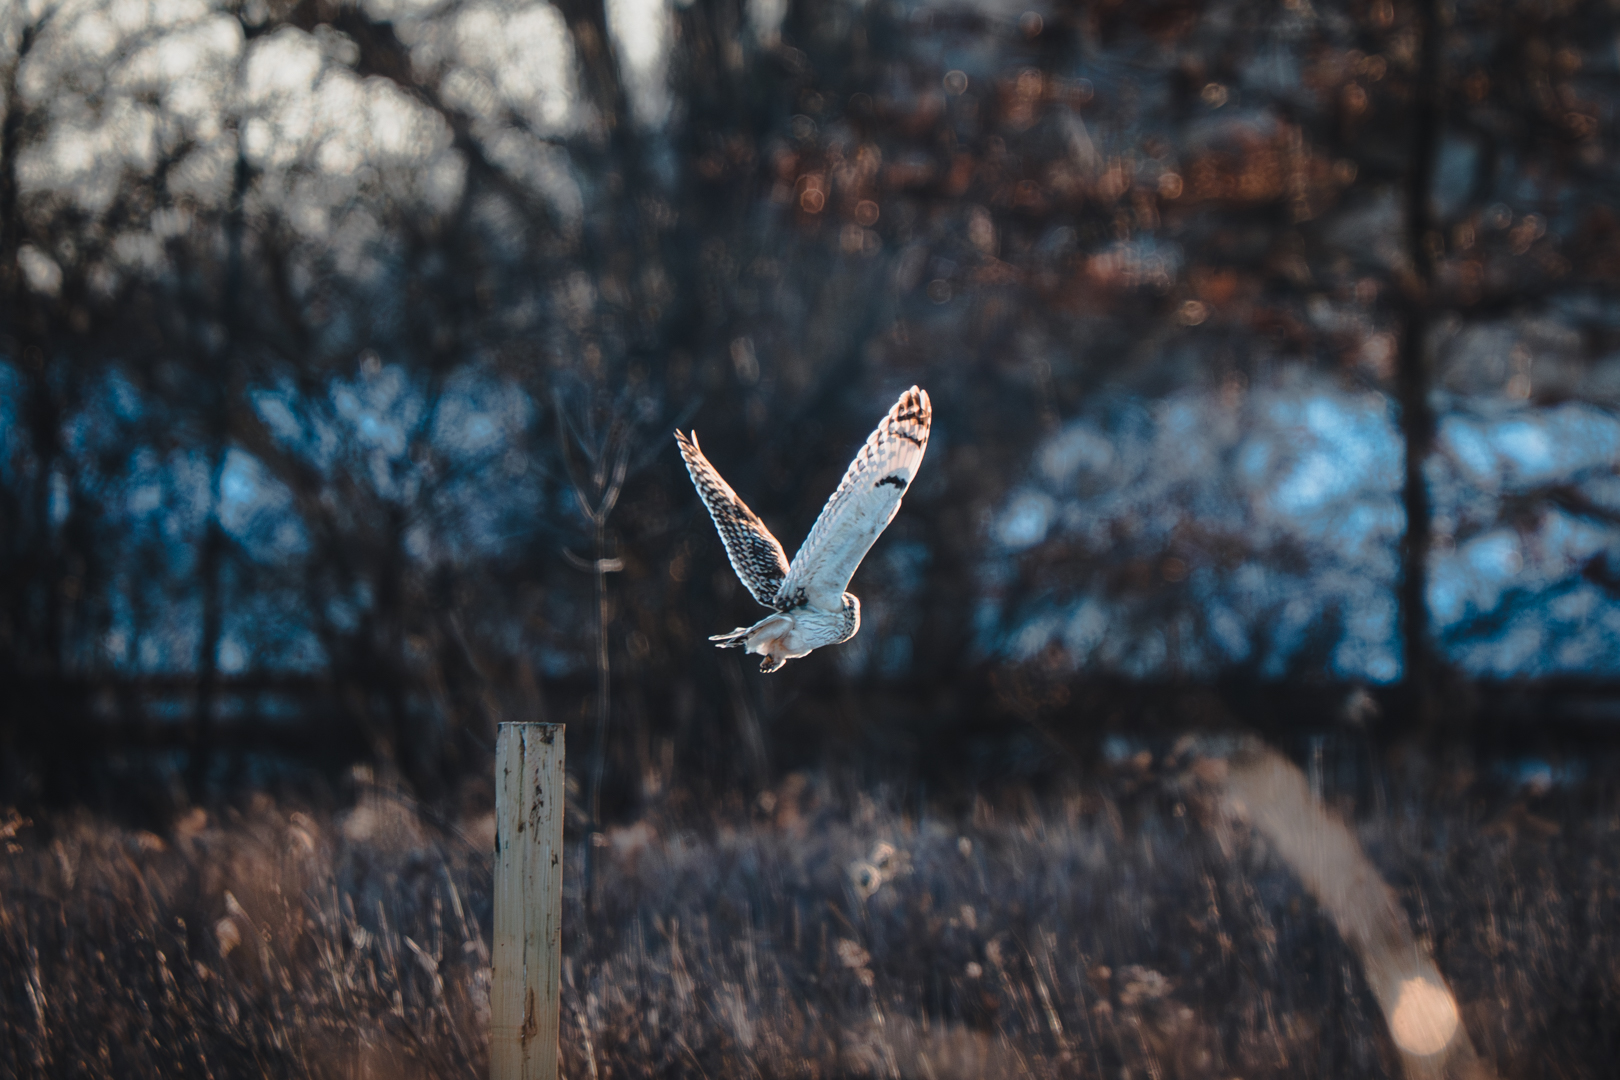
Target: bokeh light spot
{"points": [[1425, 1017]]}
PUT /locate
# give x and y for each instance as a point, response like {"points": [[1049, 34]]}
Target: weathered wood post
{"points": [[529, 806]]}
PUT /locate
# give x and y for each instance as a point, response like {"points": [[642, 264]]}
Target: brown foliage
{"points": [[806, 935]]}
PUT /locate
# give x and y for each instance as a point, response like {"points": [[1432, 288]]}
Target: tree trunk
{"points": [[1413, 375]]}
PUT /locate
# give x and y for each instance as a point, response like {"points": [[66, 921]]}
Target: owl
{"points": [[809, 605]]}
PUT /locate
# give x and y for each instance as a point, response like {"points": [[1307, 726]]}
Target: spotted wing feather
{"points": [[754, 552], [862, 507]]}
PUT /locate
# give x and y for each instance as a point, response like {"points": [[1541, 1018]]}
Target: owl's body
{"points": [[787, 635], [810, 607]]}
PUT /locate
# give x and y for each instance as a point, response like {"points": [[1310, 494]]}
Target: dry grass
{"points": [[1101, 933]]}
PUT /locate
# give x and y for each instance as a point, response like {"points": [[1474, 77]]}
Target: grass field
{"points": [[1105, 930]]}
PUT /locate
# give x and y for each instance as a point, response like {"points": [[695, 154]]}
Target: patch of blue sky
{"points": [[11, 394], [1078, 449], [1086, 628], [123, 397], [477, 527], [1251, 578], [1035, 633], [1350, 451], [1449, 589], [144, 481], [1183, 420], [478, 432], [1360, 658], [1468, 445], [118, 638], [116, 645], [379, 465], [1228, 632], [418, 543], [1584, 436], [256, 509], [1523, 446], [1493, 556], [1275, 68], [343, 612], [477, 415], [1255, 460], [1593, 644], [1473, 578], [1118, 748], [1578, 625], [1517, 651], [93, 428], [987, 626], [1288, 634], [1588, 652], [1367, 649], [60, 499], [169, 644], [1305, 462], [298, 426], [559, 663], [275, 409], [1604, 490], [1185, 648], [1082, 523], [231, 655], [1454, 178], [1531, 447], [1144, 656], [566, 503], [1577, 605], [482, 515], [381, 408], [1316, 478], [1025, 521], [1373, 618], [1564, 543], [271, 631], [1368, 532], [190, 489]]}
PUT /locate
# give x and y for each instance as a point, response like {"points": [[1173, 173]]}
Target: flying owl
{"points": [[809, 607]]}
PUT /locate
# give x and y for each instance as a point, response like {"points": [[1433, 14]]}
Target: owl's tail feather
{"points": [[734, 640]]}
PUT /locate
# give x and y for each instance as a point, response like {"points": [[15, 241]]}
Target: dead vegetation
{"points": [[1098, 932]]}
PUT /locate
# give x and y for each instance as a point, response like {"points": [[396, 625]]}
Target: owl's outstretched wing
{"points": [[862, 507], [754, 552]]}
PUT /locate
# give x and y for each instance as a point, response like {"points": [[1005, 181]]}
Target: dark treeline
{"points": [[341, 344]]}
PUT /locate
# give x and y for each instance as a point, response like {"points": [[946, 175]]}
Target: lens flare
{"points": [[1425, 1017]]}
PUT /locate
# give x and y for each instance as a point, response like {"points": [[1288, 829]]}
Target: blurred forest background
{"points": [[1274, 349]]}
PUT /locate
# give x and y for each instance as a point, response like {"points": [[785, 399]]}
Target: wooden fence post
{"points": [[527, 958]]}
